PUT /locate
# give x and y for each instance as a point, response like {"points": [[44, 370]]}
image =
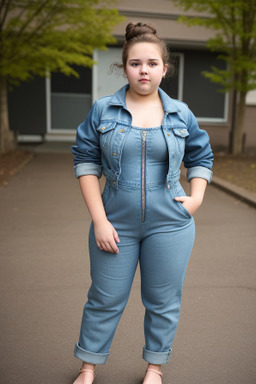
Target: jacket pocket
{"points": [[180, 135], [106, 131], [181, 132]]}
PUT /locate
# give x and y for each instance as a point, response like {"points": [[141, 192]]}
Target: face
{"points": [[145, 68]]}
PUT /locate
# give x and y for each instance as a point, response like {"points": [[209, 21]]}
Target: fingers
{"points": [[112, 247], [190, 203], [116, 237], [106, 237], [108, 246], [181, 198]]}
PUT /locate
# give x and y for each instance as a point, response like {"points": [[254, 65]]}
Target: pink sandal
{"points": [[159, 373], [85, 370]]}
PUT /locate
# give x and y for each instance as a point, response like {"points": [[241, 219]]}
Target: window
{"points": [[203, 97], [173, 85], [189, 85], [70, 99]]}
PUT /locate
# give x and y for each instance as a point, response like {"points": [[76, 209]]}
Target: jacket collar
{"points": [[169, 104]]}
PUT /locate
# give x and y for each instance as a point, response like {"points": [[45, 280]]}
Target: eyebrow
{"points": [[148, 59]]}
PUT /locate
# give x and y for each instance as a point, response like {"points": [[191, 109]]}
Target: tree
{"points": [[43, 36], [235, 24]]}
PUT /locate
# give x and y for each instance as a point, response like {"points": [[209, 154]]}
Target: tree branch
{"points": [[2, 5], [5, 12], [41, 26], [32, 17], [225, 21], [23, 9]]}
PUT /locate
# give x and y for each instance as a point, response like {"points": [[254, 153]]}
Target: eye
{"points": [[134, 65], [153, 64]]}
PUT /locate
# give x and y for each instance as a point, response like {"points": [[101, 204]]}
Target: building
{"points": [[50, 109]]}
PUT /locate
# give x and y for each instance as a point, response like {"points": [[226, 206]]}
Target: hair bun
{"points": [[137, 29]]}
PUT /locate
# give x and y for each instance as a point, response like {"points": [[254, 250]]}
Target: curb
{"points": [[18, 169], [233, 190], [25, 162]]}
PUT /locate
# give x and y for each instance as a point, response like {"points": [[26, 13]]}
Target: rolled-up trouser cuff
{"points": [[90, 357], [156, 357]]}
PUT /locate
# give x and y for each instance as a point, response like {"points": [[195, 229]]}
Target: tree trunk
{"points": [[7, 141], [238, 126]]}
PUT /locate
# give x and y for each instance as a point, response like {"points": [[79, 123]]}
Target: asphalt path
{"points": [[45, 277]]}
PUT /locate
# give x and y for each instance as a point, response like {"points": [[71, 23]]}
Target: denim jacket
{"points": [[101, 137]]}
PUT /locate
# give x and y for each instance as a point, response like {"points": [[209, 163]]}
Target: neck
{"points": [[138, 98]]}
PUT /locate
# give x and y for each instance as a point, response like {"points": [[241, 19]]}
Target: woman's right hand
{"points": [[106, 236]]}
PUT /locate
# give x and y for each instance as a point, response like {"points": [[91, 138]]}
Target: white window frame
{"points": [[95, 77], [48, 103]]}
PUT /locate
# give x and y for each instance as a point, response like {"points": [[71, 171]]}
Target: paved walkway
{"points": [[45, 276]]}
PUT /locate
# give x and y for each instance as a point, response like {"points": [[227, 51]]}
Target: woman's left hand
{"points": [[190, 203]]}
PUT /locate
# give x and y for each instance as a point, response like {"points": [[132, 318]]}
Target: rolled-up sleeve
{"points": [[198, 158], [87, 154]]}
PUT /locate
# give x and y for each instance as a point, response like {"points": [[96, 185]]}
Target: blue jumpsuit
{"points": [[156, 232], [142, 169]]}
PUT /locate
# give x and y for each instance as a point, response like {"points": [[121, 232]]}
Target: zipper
{"points": [[143, 175]]}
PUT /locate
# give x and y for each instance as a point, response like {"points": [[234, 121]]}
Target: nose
{"points": [[143, 69]]}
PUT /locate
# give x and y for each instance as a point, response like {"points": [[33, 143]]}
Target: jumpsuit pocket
{"points": [[180, 135], [106, 130], [177, 192], [185, 211]]}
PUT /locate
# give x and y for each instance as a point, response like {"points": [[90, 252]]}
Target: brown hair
{"points": [[143, 33]]}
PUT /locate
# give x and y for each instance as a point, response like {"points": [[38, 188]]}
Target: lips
{"points": [[143, 80]]}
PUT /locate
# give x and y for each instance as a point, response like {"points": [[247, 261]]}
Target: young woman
{"points": [[138, 137]]}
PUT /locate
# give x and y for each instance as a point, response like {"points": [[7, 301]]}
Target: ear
{"points": [[165, 69]]}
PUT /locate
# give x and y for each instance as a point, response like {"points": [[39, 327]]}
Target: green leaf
{"points": [[36, 35], [235, 38]]}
